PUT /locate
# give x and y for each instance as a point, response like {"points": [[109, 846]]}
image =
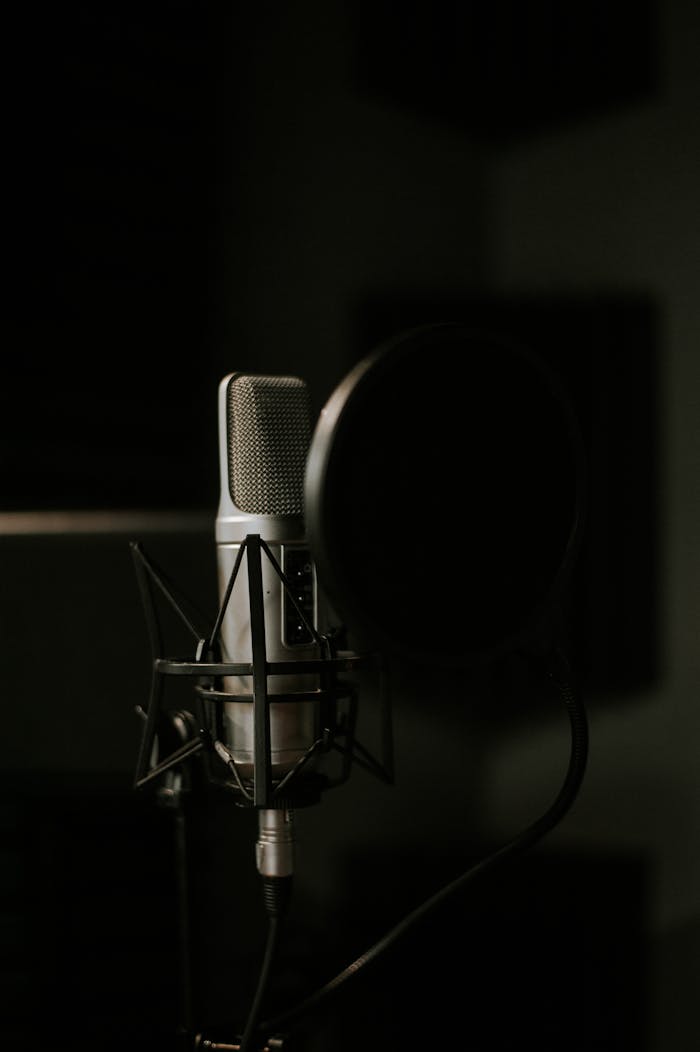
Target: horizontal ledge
{"points": [[118, 520]]}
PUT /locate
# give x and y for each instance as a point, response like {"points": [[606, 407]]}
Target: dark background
{"points": [[197, 188]]}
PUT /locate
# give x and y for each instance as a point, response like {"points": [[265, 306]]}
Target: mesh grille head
{"points": [[269, 432]]}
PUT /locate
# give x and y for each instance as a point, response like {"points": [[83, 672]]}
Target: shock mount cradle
{"points": [[198, 734]]}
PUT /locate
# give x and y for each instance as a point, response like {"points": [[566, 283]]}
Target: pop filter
{"points": [[444, 495]]}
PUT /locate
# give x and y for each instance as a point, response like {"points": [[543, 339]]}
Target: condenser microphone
{"points": [[264, 436]]}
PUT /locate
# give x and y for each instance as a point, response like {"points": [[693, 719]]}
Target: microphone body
{"points": [[264, 436]]}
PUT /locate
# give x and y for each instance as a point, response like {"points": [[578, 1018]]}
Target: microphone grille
{"points": [[269, 432]]}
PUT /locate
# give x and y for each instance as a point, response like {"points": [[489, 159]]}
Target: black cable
{"points": [[270, 948], [558, 673]]}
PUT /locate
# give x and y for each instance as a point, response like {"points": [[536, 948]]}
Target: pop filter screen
{"points": [[443, 495]]}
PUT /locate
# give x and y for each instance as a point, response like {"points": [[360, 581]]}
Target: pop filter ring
{"points": [[342, 418]]}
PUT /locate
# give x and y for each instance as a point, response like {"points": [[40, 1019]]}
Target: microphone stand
{"points": [[176, 788]]}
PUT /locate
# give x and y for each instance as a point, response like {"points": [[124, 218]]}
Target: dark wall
{"points": [[122, 170], [203, 188]]}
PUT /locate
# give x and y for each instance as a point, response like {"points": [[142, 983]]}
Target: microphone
{"points": [[264, 437]]}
